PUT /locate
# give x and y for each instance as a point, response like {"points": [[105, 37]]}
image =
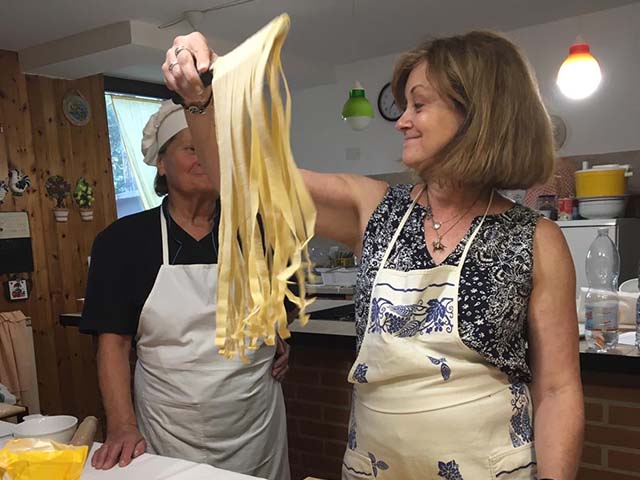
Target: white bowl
{"points": [[630, 286], [602, 207], [59, 428]]}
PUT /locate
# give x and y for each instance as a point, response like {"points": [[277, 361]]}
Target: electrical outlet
{"points": [[352, 153]]}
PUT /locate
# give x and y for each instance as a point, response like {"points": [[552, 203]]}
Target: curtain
{"points": [[132, 114], [16, 364]]}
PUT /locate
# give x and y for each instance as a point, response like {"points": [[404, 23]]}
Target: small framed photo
{"points": [[18, 290]]}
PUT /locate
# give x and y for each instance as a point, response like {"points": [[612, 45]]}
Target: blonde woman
{"points": [[467, 335]]}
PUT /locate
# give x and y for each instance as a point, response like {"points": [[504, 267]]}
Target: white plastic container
{"points": [[59, 428], [340, 276]]}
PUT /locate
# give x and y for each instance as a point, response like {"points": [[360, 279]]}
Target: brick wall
{"points": [[612, 437], [318, 399]]}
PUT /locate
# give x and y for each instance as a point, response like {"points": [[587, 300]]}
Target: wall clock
{"points": [[387, 105]]}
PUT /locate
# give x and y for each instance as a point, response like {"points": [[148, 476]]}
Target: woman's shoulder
{"points": [[398, 195], [520, 214], [132, 229], [395, 200]]}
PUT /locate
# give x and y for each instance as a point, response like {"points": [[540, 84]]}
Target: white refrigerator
{"points": [[625, 233]]}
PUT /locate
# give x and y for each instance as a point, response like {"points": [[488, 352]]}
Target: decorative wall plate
{"points": [[19, 182], [559, 131], [76, 108], [4, 188]]}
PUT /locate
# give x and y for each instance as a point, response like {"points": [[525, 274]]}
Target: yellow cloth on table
{"points": [[258, 177], [33, 459]]}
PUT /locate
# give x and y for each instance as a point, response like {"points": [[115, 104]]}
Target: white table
{"points": [[148, 467]]}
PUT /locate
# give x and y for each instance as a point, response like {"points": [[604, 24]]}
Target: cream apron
{"points": [[426, 406], [192, 403]]}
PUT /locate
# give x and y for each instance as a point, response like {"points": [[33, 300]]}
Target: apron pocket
{"points": [[356, 466], [514, 464]]}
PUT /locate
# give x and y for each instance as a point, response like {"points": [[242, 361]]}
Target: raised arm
{"points": [[344, 202]]}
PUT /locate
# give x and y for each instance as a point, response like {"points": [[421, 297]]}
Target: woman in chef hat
{"points": [[190, 402]]}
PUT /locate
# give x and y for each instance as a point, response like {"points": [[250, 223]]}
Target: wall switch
{"points": [[352, 153]]}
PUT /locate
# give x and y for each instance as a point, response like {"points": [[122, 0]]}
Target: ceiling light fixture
{"points": [[579, 75], [357, 111]]}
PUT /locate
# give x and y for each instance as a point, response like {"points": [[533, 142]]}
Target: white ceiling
{"points": [[323, 32]]}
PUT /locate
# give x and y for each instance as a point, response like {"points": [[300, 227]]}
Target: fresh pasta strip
{"points": [[258, 179]]}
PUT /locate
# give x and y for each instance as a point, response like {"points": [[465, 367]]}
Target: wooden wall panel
{"points": [[50, 145], [15, 116]]}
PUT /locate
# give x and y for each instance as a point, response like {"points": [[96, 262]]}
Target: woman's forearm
{"points": [[115, 379], [559, 429], [203, 132]]}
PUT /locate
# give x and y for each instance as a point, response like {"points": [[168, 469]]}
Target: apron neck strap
{"points": [[165, 237], [399, 229], [475, 232], [406, 217]]}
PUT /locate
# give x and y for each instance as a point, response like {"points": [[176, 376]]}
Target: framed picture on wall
{"points": [[18, 290]]}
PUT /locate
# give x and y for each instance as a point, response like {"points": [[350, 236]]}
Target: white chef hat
{"points": [[161, 127]]}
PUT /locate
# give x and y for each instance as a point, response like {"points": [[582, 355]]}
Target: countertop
{"points": [[624, 359], [321, 289], [150, 466]]}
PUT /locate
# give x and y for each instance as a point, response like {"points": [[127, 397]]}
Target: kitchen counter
{"points": [[313, 289], [157, 467], [153, 467], [624, 359], [318, 398], [321, 326], [320, 304]]}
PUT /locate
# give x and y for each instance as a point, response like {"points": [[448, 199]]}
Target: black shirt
{"points": [[125, 260]]}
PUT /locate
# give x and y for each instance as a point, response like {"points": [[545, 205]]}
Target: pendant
{"points": [[436, 226], [438, 245], [429, 214]]}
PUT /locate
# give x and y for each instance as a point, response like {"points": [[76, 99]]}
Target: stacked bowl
{"points": [[601, 190]]}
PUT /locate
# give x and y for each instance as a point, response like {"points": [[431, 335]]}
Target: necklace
{"points": [[437, 244]]}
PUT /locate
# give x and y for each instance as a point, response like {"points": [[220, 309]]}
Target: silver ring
{"points": [[171, 65], [179, 49]]}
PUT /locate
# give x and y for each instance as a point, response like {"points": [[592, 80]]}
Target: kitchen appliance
{"points": [[625, 233]]}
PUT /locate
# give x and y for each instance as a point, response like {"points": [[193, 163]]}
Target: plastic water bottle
{"points": [[601, 301]]}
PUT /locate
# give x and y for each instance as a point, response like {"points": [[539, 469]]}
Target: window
{"points": [[129, 105]]}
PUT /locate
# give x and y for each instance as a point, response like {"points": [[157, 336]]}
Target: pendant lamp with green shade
{"points": [[357, 110]]}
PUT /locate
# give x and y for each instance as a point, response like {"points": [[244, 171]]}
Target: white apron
{"points": [[192, 403], [426, 406]]}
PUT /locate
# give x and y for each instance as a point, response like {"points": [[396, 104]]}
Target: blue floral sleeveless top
{"points": [[496, 278]]}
